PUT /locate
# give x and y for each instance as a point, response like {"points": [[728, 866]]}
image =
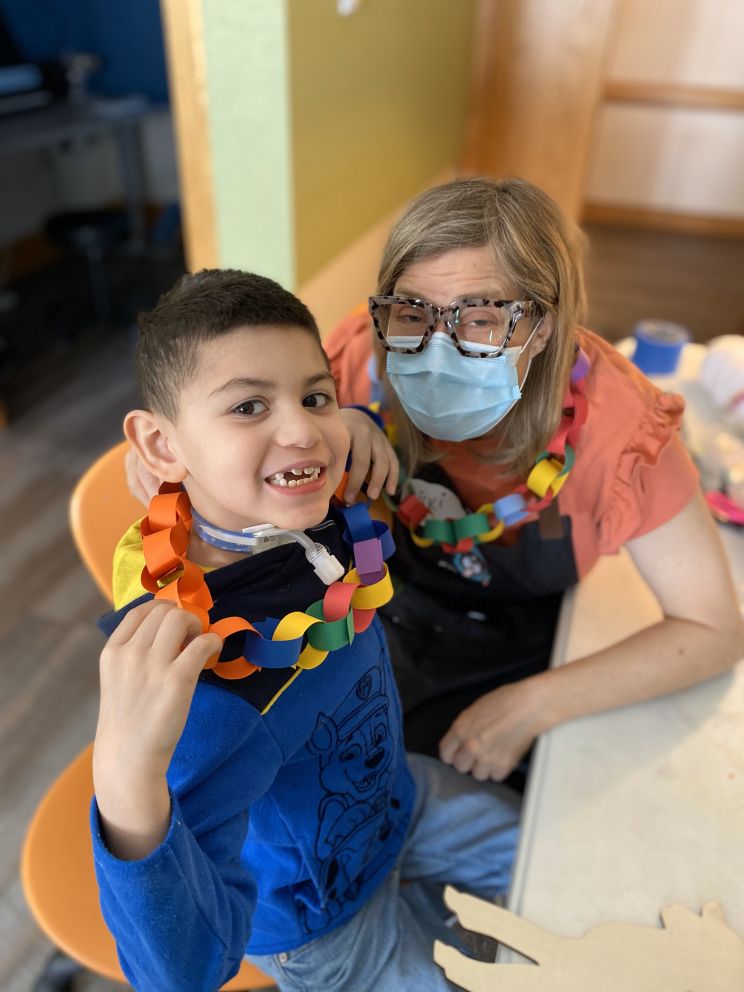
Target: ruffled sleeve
{"points": [[654, 479]]}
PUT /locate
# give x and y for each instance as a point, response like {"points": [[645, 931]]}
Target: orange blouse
{"points": [[632, 472]]}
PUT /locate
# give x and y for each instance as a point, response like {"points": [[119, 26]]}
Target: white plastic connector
{"points": [[327, 567]]}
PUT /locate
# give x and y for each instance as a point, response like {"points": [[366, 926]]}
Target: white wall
{"points": [[673, 158], [687, 41], [682, 161]]}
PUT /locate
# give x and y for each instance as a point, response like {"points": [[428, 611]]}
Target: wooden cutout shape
{"points": [[691, 953]]}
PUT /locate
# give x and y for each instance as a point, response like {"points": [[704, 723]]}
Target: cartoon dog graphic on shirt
{"points": [[355, 753]]}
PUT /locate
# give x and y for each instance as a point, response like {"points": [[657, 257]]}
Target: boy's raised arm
{"points": [[149, 670], [173, 890]]}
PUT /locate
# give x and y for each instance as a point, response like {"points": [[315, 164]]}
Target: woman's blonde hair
{"points": [[540, 250]]}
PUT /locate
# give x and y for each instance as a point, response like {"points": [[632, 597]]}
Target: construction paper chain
{"points": [[300, 639], [544, 481]]}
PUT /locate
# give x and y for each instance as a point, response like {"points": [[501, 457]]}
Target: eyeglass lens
{"points": [[405, 324]]}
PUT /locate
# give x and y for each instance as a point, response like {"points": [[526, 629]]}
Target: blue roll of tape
{"points": [[659, 344]]}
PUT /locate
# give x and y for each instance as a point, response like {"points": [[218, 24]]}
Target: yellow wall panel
{"points": [[378, 108]]}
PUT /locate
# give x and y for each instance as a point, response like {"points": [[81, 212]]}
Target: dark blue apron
{"points": [[462, 625]]}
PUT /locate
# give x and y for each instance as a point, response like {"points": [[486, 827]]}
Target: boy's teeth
{"points": [[300, 476]]}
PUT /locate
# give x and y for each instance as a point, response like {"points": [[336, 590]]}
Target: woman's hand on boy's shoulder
{"points": [[371, 453]]}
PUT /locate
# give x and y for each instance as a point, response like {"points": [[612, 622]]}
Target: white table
{"points": [[630, 810]]}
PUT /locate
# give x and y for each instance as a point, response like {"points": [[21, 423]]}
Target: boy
{"points": [[273, 814]]}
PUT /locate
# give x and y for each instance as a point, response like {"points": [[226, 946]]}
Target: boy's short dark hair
{"points": [[200, 307]]}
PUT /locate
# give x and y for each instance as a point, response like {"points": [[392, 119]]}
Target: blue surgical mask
{"points": [[451, 397]]}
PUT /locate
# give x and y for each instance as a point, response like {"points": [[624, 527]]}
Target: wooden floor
{"points": [[48, 640], [49, 645]]}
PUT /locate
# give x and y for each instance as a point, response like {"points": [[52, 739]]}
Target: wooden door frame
{"points": [[183, 29]]}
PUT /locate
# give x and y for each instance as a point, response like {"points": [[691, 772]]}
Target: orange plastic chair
{"points": [[101, 509], [57, 857]]}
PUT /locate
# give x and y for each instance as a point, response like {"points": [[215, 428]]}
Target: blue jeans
{"points": [[463, 833]]}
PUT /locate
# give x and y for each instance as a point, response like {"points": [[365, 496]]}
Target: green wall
{"points": [[321, 125], [247, 88]]}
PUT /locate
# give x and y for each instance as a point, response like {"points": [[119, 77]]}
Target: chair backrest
{"points": [[101, 509], [59, 881]]}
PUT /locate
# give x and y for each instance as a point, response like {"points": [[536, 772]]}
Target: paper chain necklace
{"points": [[301, 640], [546, 477]]}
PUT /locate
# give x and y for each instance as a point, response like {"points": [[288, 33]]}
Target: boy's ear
{"points": [[148, 434]]}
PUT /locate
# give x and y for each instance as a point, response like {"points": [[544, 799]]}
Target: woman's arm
{"points": [[701, 634]]}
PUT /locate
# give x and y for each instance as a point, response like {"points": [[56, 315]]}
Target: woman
{"points": [[500, 402], [493, 391]]}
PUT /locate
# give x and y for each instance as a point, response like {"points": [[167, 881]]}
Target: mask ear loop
{"points": [[530, 358]]}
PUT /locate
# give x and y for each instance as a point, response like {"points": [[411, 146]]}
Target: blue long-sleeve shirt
{"points": [[290, 799]]}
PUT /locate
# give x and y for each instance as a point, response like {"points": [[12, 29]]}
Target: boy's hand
{"points": [[370, 452], [141, 482], [149, 670]]}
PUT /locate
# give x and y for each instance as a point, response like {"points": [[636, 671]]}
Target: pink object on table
{"points": [[724, 509]]}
